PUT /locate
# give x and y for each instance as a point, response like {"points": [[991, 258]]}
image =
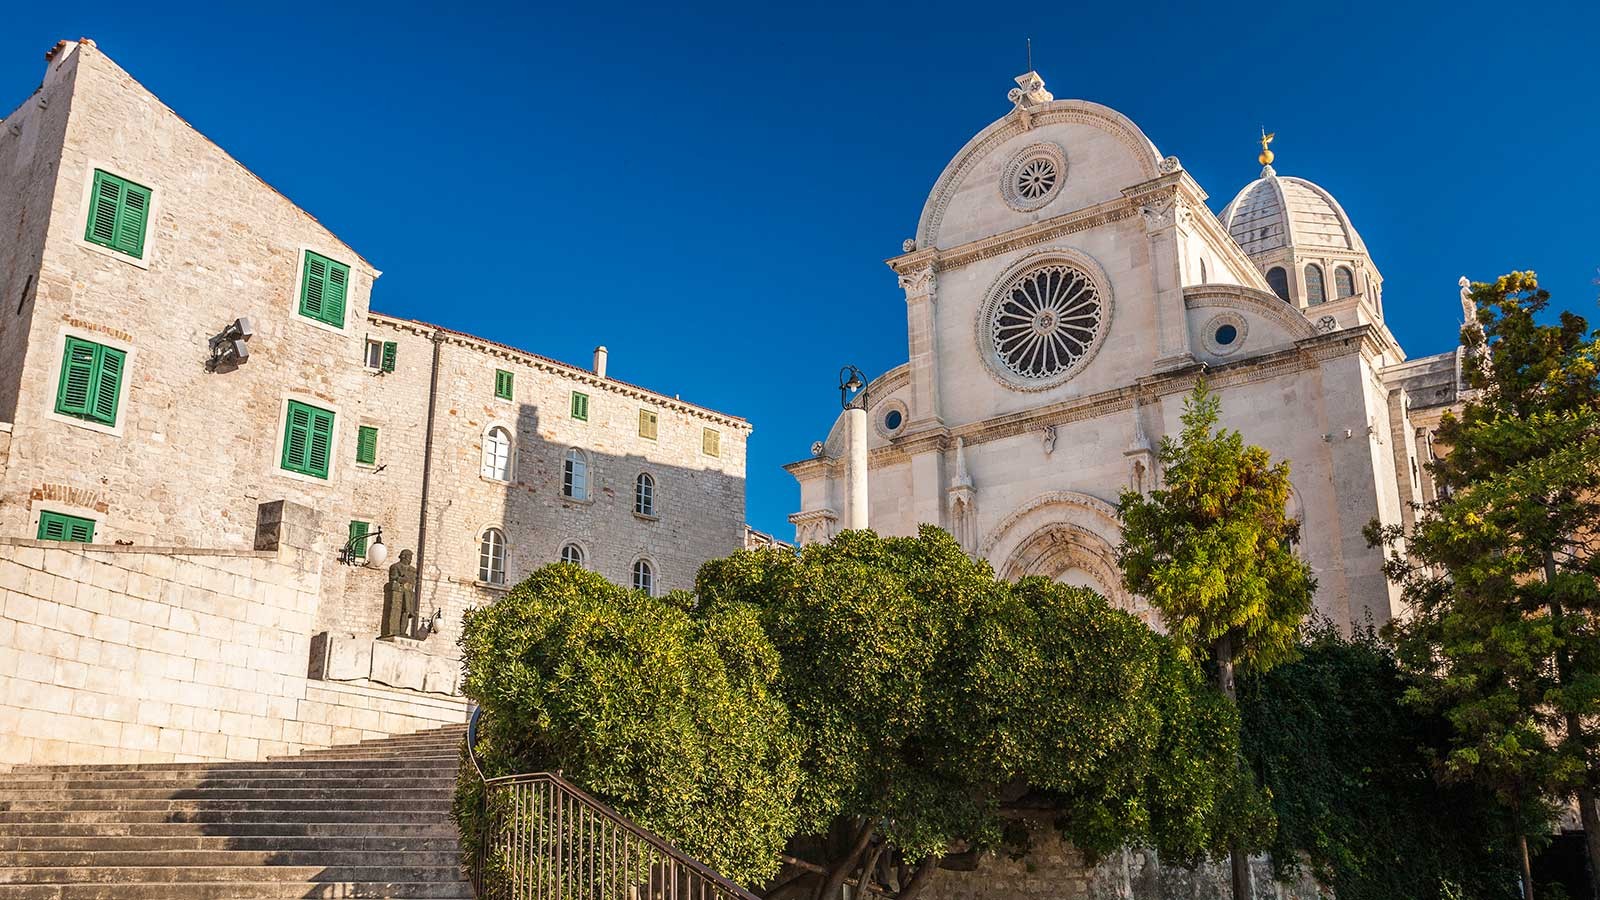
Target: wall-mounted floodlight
{"points": [[228, 348]]}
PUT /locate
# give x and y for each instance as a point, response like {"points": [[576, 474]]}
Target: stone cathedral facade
{"points": [[1066, 287]]}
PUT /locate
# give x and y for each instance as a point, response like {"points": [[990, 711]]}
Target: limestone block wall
{"points": [[154, 654]]}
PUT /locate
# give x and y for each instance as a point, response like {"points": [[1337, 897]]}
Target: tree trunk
{"points": [[1238, 862], [1586, 793], [1527, 868], [829, 888], [925, 870]]}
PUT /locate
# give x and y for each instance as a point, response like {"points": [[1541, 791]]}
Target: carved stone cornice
{"points": [[920, 283], [813, 515], [1016, 239], [1262, 303]]}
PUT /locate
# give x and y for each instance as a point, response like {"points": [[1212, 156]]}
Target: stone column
{"points": [[921, 286], [1164, 211], [856, 471]]}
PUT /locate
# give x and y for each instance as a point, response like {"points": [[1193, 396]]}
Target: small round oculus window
{"points": [[1227, 334], [1033, 176], [1037, 178], [892, 420], [1046, 321]]}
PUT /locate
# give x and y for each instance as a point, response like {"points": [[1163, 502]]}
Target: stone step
{"points": [[444, 841], [174, 875], [14, 798], [17, 789], [224, 816], [243, 830], [75, 860], [281, 763], [242, 890], [376, 800]]}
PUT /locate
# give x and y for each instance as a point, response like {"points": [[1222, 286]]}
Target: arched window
{"points": [[573, 554], [644, 495], [1315, 291], [492, 556], [1278, 280], [1203, 278], [1344, 283], [575, 475], [644, 576], [497, 454]]}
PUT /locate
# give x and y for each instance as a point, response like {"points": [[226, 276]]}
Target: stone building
{"points": [[182, 348], [1066, 287]]}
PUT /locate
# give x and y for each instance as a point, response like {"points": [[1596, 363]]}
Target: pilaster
{"points": [[921, 287]]}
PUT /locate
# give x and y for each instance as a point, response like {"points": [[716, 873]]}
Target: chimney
{"points": [[600, 361]]}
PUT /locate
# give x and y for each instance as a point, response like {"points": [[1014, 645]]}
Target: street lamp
{"points": [[851, 385], [376, 553], [853, 397]]}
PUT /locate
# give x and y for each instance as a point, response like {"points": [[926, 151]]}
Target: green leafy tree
{"points": [[1212, 550], [1501, 572], [668, 715], [1349, 766]]}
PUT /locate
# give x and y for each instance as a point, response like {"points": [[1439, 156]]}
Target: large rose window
{"points": [[1046, 321]]}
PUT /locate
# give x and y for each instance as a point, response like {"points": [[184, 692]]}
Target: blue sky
{"points": [[711, 190]]}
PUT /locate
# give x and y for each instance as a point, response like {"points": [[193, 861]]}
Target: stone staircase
{"points": [[364, 820]]}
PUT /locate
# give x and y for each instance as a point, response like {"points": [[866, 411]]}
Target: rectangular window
{"points": [[367, 445], [647, 424], [374, 355], [323, 285], [119, 210], [307, 439], [91, 381], [54, 526], [502, 384], [390, 350], [580, 406], [358, 539], [711, 442]]}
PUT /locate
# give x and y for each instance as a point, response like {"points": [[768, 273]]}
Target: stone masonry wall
{"points": [[148, 654]]}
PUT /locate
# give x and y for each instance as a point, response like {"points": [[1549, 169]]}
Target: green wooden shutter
{"points": [[321, 443], [324, 284], [103, 203], [338, 285], [75, 393], [107, 384], [296, 437], [502, 384], [390, 348], [119, 213], [367, 445], [54, 526], [131, 221], [358, 539], [580, 406]]}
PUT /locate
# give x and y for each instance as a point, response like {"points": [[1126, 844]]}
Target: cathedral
{"points": [[1066, 288]]}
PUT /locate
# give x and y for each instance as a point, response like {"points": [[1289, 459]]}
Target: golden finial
{"points": [[1266, 152]]}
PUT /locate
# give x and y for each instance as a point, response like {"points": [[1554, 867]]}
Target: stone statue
{"points": [[400, 599]]}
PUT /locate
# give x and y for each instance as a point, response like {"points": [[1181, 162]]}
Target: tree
{"points": [[1212, 550], [1500, 571], [1349, 766]]}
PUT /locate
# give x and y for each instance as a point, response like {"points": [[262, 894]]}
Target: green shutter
{"points": [[367, 445], [390, 348], [502, 384], [358, 539], [307, 439], [324, 284], [119, 213], [54, 526], [91, 381], [580, 406]]}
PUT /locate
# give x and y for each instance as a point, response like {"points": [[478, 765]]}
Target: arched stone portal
{"points": [[1067, 537]]}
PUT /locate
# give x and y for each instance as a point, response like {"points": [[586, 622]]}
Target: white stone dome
{"points": [[1274, 212]]}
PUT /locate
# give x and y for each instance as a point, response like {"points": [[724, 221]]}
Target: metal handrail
{"points": [[676, 876]]}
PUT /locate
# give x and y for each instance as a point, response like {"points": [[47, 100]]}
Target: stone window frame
{"points": [[511, 452], [652, 569], [124, 388], [880, 420], [1350, 281], [645, 496], [299, 280], [998, 290], [66, 509], [1039, 150], [485, 558], [281, 427], [366, 351], [1320, 295], [588, 475], [92, 165], [1208, 333], [583, 554]]}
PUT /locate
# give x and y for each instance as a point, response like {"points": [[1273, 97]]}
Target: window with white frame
{"points": [[374, 355], [492, 556], [572, 554], [497, 454], [644, 576], [644, 495], [575, 475]]}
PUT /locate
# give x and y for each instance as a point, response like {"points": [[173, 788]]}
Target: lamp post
{"points": [[376, 553], [853, 397]]}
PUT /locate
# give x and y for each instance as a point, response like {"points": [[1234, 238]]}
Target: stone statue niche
{"points": [[400, 599]]}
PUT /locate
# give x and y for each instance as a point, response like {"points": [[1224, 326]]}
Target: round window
{"points": [[1227, 334], [1033, 176], [892, 420], [1046, 321]]}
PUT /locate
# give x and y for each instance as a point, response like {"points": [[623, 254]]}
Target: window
{"points": [[1315, 291], [893, 419], [497, 454], [91, 381], [711, 442], [1203, 278], [572, 554], [323, 284], [580, 406], [644, 576], [1344, 283], [307, 439], [367, 445], [54, 526], [118, 213], [647, 424], [502, 384], [575, 475], [374, 357], [644, 495], [1227, 334], [358, 538], [492, 556], [1278, 280]]}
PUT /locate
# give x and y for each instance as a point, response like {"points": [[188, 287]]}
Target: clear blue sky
{"points": [[711, 191]]}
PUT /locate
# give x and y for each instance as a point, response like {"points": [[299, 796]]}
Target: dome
{"points": [[1274, 212]]}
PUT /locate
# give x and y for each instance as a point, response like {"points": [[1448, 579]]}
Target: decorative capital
{"points": [[919, 283], [1164, 210]]}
